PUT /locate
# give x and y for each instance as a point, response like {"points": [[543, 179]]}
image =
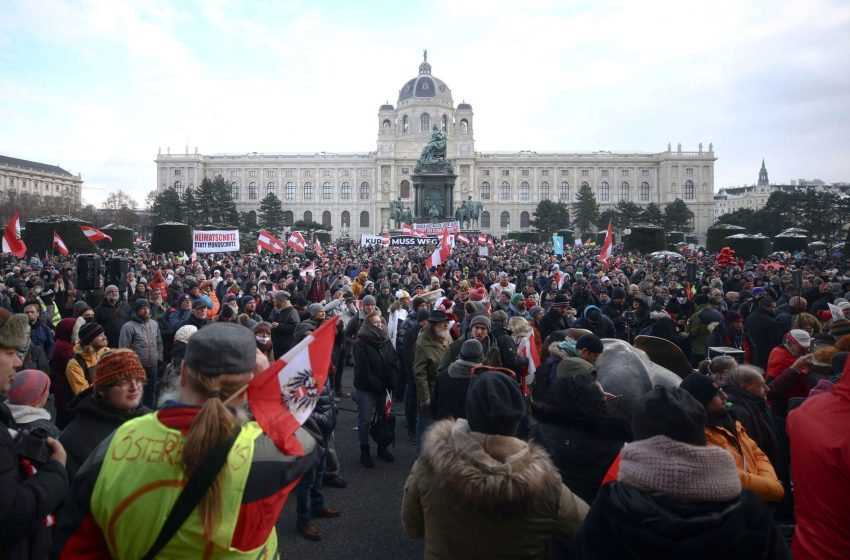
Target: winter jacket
{"points": [[698, 328], [326, 412], [604, 328], [408, 350], [553, 321], [77, 377], [448, 399], [282, 335], [374, 366], [427, 354], [143, 338], [477, 496], [93, 421], [758, 421], [720, 337], [780, 360], [820, 461], [492, 357], [25, 500], [508, 351], [766, 335], [112, 318], [31, 418]]}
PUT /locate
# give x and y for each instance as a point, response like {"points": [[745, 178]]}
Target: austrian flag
{"points": [[441, 252], [461, 238], [284, 395], [482, 239], [269, 242], [59, 245], [296, 241], [93, 234], [12, 242]]}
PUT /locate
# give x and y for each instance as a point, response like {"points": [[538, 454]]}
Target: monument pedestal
{"points": [[434, 187]]}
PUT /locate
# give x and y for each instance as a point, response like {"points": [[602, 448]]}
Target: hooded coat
{"points": [[472, 495], [63, 351]]}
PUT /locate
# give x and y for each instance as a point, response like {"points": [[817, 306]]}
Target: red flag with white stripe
{"points": [[12, 242], [482, 239], [441, 252], [59, 245], [283, 397], [309, 270], [388, 405], [490, 243], [296, 241], [606, 247], [93, 234], [385, 239], [407, 229], [461, 238], [319, 250], [269, 242], [529, 350]]}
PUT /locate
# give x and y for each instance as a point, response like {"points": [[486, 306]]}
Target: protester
{"points": [[93, 344], [431, 343], [111, 314], [27, 397], [142, 336]]}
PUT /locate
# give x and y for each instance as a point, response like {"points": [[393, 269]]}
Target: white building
{"points": [[19, 176], [352, 192]]}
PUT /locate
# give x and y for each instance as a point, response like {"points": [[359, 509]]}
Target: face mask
{"points": [[88, 319], [263, 339]]}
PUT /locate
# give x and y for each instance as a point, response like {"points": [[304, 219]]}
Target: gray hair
{"points": [[744, 374]]}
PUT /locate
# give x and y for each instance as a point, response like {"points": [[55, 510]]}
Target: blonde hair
{"points": [[519, 326]]}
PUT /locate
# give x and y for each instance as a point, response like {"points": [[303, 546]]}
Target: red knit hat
{"points": [[118, 365], [29, 387]]}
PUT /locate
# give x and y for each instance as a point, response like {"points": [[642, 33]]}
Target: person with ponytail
{"points": [[123, 494]]}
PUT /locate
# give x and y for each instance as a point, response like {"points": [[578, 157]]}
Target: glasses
{"points": [[128, 383]]}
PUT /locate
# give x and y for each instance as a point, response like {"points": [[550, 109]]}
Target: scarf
{"points": [[693, 473], [370, 334]]}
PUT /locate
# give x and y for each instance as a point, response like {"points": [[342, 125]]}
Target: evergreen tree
{"points": [[270, 216], [550, 216], [166, 207], [630, 214], [190, 208], [653, 214], [215, 203], [308, 227], [204, 202], [586, 210], [677, 216], [248, 231], [609, 215]]}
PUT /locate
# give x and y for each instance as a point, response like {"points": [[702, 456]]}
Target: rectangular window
{"points": [[565, 172], [485, 172], [405, 171], [689, 171], [252, 173], [644, 172], [234, 173], [326, 172], [308, 172], [624, 173], [364, 173], [585, 173], [525, 172], [604, 172], [271, 173], [506, 172], [178, 172]]}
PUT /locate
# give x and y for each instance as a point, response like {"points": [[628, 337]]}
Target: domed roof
{"points": [[425, 86], [386, 107], [463, 106]]}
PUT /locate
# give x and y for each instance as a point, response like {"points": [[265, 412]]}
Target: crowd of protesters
{"points": [[522, 452]]}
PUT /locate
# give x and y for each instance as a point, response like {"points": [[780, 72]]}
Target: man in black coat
{"points": [[30, 491], [557, 318], [764, 330], [284, 319], [111, 314], [420, 318], [507, 346], [448, 400]]}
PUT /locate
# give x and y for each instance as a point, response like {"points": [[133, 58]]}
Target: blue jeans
{"points": [[410, 411], [367, 403], [149, 395], [309, 491]]}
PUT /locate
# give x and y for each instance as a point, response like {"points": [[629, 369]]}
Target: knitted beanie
{"points": [[839, 328], [184, 332], [118, 365], [88, 332], [29, 387]]}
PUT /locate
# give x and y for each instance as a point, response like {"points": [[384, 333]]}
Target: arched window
{"points": [[387, 123], [252, 191], [308, 216], [544, 190], [424, 122], [485, 219], [505, 220], [689, 190], [289, 191], [308, 191], [345, 193], [644, 192], [326, 218], [364, 191], [485, 190], [505, 191], [405, 124], [327, 191], [604, 191], [234, 191], [288, 218], [524, 191], [523, 220], [364, 219], [270, 188], [345, 219], [404, 189], [564, 191], [464, 126], [624, 191], [445, 124], [178, 186]]}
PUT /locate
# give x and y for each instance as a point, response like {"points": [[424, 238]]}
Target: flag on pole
{"points": [[283, 396], [529, 350], [308, 270], [319, 250], [269, 242], [407, 229], [12, 242], [490, 243], [482, 239], [93, 234], [59, 245], [296, 241], [606, 247], [462, 239], [441, 252]]}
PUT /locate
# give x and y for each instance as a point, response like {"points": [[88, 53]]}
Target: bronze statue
{"points": [[434, 151]]}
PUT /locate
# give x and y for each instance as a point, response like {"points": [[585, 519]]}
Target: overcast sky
{"points": [[98, 86]]}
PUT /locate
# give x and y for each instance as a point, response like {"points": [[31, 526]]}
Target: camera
{"points": [[32, 445]]}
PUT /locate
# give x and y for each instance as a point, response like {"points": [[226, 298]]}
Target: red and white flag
{"points": [[441, 252], [309, 270], [12, 242], [59, 245], [606, 247], [388, 404], [461, 238], [319, 250], [269, 242], [284, 395], [482, 239], [296, 241], [93, 234], [490, 243], [407, 229], [529, 350], [385, 239]]}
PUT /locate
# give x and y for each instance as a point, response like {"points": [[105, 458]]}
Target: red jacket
{"points": [[820, 466], [779, 360]]}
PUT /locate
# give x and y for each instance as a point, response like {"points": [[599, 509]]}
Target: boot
{"points": [[385, 454], [366, 457]]}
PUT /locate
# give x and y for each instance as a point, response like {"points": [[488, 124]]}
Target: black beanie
{"points": [[701, 387], [590, 342], [670, 412], [494, 404]]}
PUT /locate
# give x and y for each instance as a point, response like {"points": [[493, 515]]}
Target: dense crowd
{"points": [[122, 404]]}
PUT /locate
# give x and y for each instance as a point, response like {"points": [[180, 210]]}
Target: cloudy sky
{"points": [[98, 86]]}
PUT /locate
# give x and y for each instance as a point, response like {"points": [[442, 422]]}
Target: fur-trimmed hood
{"points": [[15, 333], [498, 475]]}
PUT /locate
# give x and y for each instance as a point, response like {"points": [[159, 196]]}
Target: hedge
{"points": [[674, 237], [525, 236], [323, 237], [790, 243], [645, 239], [38, 234], [122, 237], [716, 236], [171, 237], [568, 235], [746, 246]]}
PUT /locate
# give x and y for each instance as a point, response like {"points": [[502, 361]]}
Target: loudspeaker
{"points": [[116, 273], [88, 272]]}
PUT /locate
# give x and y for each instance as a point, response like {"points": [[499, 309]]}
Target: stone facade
{"points": [[19, 176], [352, 192]]}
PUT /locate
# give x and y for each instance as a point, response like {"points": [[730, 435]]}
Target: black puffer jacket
{"points": [[374, 366], [326, 411], [508, 350]]}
